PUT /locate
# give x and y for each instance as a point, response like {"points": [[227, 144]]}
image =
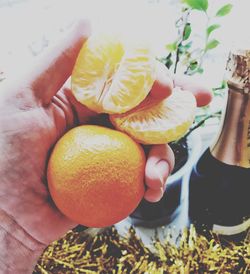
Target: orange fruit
{"points": [[158, 121], [112, 75], [96, 175]]}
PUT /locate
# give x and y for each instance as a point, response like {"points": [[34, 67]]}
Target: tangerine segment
{"points": [[111, 76], [158, 122], [96, 175]]}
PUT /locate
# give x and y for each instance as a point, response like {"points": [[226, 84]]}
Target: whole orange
{"points": [[96, 175]]}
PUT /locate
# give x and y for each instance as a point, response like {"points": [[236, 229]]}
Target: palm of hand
{"points": [[36, 130]]}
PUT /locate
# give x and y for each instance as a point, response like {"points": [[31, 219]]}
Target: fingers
{"points": [[163, 84], [54, 68], [202, 94], [82, 113], [159, 165]]}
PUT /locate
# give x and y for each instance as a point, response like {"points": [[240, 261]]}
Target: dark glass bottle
{"points": [[219, 187]]}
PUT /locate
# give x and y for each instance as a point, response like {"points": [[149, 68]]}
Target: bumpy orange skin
{"points": [[96, 175]]}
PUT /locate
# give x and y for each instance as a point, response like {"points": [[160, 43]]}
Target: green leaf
{"points": [[193, 65], [188, 45], [197, 4], [212, 44], [223, 84], [211, 28], [167, 61], [187, 31], [184, 48], [181, 49], [171, 47], [224, 10], [200, 70], [219, 91]]}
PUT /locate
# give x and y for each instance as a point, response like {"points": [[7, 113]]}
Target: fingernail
{"points": [[160, 196], [164, 187], [162, 168], [153, 195]]}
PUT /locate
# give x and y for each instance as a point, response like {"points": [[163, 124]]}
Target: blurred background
{"points": [[28, 27]]}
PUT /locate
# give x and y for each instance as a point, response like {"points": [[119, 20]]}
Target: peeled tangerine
{"points": [[111, 75], [158, 121]]}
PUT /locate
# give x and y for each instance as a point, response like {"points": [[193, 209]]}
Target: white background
{"points": [[29, 26]]}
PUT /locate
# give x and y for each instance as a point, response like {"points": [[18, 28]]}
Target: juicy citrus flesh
{"points": [[158, 121], [96, 175], [112, 76]]}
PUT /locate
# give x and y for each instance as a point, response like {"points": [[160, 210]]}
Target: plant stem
{"points": [[184, 19], [177, 59], [203, 52], [216, 114]]}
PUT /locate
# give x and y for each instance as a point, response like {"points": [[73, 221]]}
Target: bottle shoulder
{"points": [[208, 165]]}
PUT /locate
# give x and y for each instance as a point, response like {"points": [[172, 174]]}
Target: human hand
{"points": [[160, 160], [35, 113]]}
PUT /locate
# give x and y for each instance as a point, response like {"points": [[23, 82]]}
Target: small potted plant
{"points": [[184, 56]]}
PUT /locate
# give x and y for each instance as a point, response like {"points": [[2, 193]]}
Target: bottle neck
{"points": [[232, 145]]}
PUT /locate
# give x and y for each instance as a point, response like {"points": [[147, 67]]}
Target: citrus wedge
{"points": [[158, 122], [111, 76]]}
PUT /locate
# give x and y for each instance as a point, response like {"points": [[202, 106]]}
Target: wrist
{"points": [[19, 252]]}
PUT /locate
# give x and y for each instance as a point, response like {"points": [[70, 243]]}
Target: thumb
{"points": [[159, 165], [55, 66], [163, 84]]}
